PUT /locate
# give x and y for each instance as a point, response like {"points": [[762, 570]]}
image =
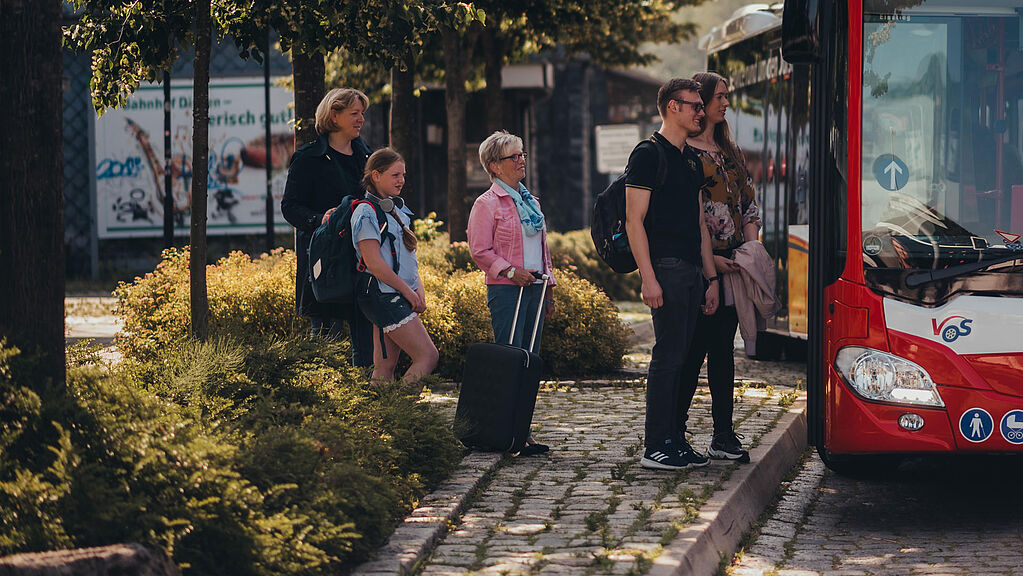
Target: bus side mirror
{"points": [[800, 31]]}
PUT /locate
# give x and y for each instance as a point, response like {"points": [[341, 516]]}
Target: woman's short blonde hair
{"points": [[494, 146], [337, 99]]}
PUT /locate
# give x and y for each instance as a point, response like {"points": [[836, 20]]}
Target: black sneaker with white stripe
{"points": [[726, 446], [670, 456]]}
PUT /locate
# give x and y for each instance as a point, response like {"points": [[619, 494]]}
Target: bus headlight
{"points": [[877, 375]]}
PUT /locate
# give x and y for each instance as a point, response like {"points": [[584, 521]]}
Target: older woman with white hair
{"points": [[508, 240]]}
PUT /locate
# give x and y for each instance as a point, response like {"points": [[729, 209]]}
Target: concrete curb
{"points": [[414, 539], [732, 510]]}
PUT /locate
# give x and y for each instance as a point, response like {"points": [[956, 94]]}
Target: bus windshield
{"points": [[942, 174]]}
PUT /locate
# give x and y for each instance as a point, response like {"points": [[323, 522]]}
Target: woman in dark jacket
{"points": [[321, 174]]}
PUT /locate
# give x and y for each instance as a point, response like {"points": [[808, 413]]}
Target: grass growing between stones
{"points": [[725, 568]]}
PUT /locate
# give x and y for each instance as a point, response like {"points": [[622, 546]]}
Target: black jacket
{"points": [[316, 184]]}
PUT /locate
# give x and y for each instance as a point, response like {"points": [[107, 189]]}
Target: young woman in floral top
{"points": [[732, 217]]}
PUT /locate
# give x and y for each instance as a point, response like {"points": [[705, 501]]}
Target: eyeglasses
{"points": [[697, 106], [516, 157]]}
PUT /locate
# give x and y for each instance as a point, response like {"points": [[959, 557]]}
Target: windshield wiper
{"points": [[918, 278]]}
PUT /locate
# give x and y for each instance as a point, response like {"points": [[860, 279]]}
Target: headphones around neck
{"points": [[385, 204]]}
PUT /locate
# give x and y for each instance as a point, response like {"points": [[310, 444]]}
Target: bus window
{"points": [[942, 178]]}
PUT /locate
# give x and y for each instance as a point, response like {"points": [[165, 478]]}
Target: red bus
{"points": [[909, 129]]}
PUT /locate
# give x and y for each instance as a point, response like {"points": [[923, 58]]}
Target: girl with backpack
{"points": [[391, 293]]}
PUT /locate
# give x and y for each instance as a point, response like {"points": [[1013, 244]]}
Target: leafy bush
{"points": [[574, 251], [246, 297], [253, 299], [271, 456], [585, 336], [36, 463]]}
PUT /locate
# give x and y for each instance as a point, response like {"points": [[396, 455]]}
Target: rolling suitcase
{"points": [[498, 393]]}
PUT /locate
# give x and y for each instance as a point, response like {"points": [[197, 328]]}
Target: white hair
{"points": [[494, 146]]}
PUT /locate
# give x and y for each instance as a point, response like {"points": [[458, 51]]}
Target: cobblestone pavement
{"points": [[929, 516], [588, 507]]}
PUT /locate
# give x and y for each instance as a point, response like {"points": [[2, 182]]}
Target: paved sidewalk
{"points": [[587, 507]]}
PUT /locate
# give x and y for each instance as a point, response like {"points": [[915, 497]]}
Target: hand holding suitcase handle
{"points": [[539, 310]]}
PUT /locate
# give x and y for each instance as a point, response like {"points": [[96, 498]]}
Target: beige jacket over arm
{"points": [[752, 288]]}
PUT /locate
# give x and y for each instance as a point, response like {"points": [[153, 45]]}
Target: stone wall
{"points": [[119, 560]]}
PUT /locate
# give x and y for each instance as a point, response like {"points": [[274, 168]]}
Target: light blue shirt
{"points": [[532, 251], [365, 226]]}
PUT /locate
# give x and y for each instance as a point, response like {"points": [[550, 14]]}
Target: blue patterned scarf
{"points": [[527, 206]]}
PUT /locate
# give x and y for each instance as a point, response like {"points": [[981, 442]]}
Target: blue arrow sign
{"points": [[891, 172]]}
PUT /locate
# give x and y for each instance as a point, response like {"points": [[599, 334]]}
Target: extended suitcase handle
{"points": [[539, 311]]}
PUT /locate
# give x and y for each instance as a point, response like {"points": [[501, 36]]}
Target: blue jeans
{"points": [[501, 299], [674, 323]]}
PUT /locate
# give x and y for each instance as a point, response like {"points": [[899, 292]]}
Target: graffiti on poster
{"points": [[130, 169]]}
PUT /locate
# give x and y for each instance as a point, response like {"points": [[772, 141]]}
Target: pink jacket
{"points": [[495, 236], [752, 288]]}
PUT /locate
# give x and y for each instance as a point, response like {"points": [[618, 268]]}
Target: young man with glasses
{"points": [[671, 245]]}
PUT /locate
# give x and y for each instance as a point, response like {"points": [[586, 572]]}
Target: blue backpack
{"points": [[333, 268]]}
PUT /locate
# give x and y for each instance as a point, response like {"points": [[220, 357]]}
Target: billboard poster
{"points": [[129, 167]]}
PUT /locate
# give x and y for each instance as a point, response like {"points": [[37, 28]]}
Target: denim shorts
{"points": [[388, 310]]}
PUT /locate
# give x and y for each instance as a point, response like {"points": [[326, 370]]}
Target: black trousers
{"points": [[682, 286], [714, 340], [360, 333]]}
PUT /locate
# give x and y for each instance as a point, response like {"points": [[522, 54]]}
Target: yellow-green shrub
{"points": [[269, 456], [584, 337], [574, 251], [247, 297], [254, 298]]}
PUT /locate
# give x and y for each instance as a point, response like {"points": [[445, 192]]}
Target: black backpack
{"points": [[607, 224], [333, 268]]}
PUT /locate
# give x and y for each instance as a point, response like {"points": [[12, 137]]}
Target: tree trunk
{"points": [[403, 125], [457, 56], [493, 46], [32, 188], [308, 70], [200, 170]]}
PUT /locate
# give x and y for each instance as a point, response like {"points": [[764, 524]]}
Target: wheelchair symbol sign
{"points": [[976, 425], [1012, 427]]}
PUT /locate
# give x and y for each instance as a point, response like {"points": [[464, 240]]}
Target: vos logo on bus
{"points": [[950, 330]]}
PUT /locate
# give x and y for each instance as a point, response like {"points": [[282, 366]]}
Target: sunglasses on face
{"points": [[697, 106]]}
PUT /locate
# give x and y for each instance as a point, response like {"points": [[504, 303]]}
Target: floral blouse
{"points": [[729, 200]]}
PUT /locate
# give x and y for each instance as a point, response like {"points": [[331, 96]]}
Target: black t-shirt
{"points": [[351, 167], [673, 220]]}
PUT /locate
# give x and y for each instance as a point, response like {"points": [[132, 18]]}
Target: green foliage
{"points": [[247, 297], [36, 462], [574, 251], [584, 337], [252, 300], [129, 42], [269, 455], [457, 315]]}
